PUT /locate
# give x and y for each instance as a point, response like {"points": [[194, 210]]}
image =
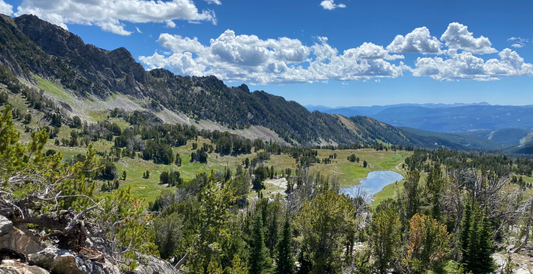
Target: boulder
{"points": [[14, 239], [62, 261], [154, 265], [15, 267], [5, 225]]}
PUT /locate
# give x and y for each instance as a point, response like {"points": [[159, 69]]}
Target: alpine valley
{"points": [[109, 167]]}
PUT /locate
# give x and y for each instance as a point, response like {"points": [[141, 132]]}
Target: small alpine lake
{"points": [[373, 183]]}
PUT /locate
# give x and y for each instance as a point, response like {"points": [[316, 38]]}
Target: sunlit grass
{"points": [[54, 89]]}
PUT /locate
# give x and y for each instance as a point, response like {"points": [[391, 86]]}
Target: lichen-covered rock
{"points": [[153, 265], [15, 267], [5, 225], [521, 263], [62, 261], [14, 239]]}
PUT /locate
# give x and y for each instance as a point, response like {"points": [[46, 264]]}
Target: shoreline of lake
{"points": [[373, 183]]}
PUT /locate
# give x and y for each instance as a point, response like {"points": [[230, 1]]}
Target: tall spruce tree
{"points": [[433, 189], [285, 259], [465, 230], [469, 256], [410, 197], [259, 259], [477, 256], [485, 246]]}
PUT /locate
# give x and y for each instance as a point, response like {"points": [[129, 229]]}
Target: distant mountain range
{"points": [[372, 110], [459, 119], [500, 124]]}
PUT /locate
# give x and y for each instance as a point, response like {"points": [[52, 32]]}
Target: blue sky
{"points": [[321, 52]]}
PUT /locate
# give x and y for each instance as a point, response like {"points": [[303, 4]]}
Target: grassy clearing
{"points": [[528, 179], [149, 189], [387, 192], [349, 173], [54, 89], [99, 116]]}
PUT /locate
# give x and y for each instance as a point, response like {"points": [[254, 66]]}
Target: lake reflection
{"points": [[374, 183]]}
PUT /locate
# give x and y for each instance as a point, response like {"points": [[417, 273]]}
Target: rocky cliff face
{"points": [[117, 70], [29, 46]]}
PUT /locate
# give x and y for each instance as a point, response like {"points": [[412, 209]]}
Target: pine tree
{"points": [[285, 260], [427, 244], [465, 231], [472, 243], [237, 266], [485, 247], [385, 227], [434, 188], [259, 260], [478, 257], [178, 160], [305, 262], [412, 190]]}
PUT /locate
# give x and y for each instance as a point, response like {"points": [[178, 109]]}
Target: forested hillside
{"points": [[454, 213]]}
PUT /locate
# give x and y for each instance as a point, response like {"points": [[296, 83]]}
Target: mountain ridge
{"points": [[32, 49]]}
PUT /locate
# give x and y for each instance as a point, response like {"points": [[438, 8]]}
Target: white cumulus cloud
{"points": [[419, 40], [330, 5], [457, 37], [467, 66], [248, 58], [109, 15], [518, 42], [5, 8]]}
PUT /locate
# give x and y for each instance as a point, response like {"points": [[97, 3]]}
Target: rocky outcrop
{"points": [[15, 240], [63, 261], [153, 265], [50, 38], [521, 263], [24, 254], [21, 247], [5, 225], [117, 70], [16, 267]]}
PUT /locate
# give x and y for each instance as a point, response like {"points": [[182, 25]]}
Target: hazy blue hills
{"points": [[499, 124], [373, 110], [482, 118], [459, 119]]}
